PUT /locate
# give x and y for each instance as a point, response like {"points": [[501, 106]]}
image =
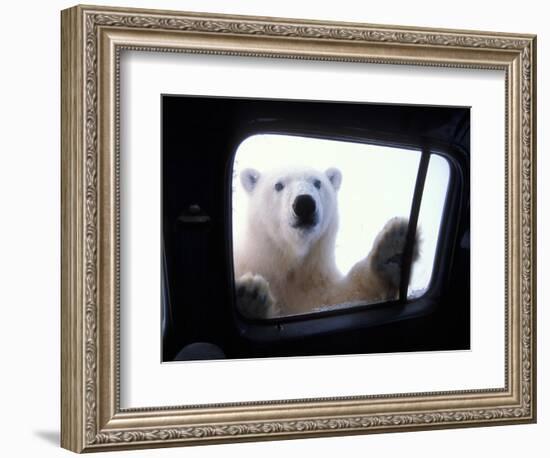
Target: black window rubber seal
{"points": [[407, 258]]}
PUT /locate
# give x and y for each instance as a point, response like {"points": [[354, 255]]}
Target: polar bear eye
{"points": [[317, 184], [279, 186]]}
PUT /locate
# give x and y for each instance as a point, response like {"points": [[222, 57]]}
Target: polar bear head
{"points": [[294, 208]]}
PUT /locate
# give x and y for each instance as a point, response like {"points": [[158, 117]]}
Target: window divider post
{"points": [[408, 252]]}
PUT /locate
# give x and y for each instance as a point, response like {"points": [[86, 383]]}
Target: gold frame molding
{"points": [[92, 39]]}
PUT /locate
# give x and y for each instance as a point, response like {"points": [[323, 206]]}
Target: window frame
{"points": [[317, 323]]}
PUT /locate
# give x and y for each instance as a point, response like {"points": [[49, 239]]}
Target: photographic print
{"points": [[303, 228]]}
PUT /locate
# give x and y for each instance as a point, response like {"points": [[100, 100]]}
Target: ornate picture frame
{"points": [[92, 39]]}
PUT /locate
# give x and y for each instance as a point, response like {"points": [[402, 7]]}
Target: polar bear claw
{"points": [[388, 250], [254, 298]]}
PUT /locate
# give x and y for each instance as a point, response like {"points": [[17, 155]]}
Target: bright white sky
{"points": [[377, 184]]}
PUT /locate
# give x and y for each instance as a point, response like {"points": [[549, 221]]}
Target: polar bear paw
{"points": [[388, 250], [254, 298]]}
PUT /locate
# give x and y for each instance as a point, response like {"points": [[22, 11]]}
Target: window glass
{"points": [[429, 223], [320, 224]]}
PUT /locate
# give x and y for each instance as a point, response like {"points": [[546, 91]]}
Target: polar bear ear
{"points": [[249, 178], [335, 177]]}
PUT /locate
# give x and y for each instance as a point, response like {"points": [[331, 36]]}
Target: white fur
{"points": [[282, 269]]}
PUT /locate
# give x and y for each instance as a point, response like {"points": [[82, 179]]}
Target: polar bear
{"points": [[284, 262]]}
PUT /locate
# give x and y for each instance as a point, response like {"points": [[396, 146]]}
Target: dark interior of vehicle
{"points": [[200, 136]]}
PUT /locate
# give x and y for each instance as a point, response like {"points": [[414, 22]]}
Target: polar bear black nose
{"points": [[304, 208]]}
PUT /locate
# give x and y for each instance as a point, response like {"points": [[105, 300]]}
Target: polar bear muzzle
{"points": [[305, 210]]}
